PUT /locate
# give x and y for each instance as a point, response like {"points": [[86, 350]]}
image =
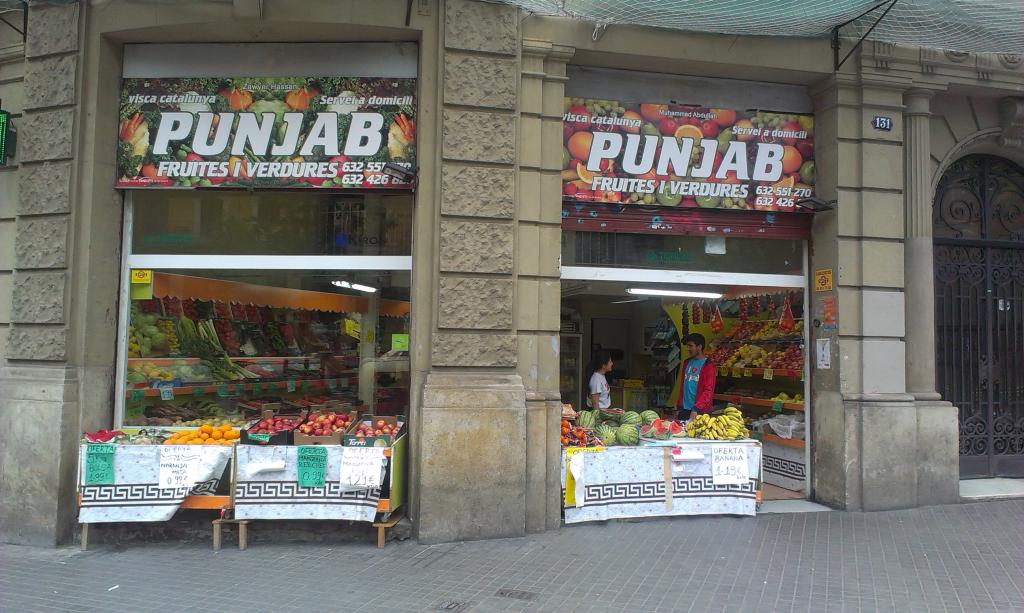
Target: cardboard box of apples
{"points": [[270, 429], [324, 427], [374, 431]]}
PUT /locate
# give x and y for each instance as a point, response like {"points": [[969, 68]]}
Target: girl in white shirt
{"points": [[600, 396]]}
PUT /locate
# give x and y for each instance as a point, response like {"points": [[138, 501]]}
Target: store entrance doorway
{"points": [[754, 339], [979, 310]]}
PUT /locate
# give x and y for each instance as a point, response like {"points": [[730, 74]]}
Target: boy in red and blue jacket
{"points": [[697, 379]]}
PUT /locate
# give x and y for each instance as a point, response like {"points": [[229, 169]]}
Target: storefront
{"points": [[162, 278], [266, 280], [682, 219]]}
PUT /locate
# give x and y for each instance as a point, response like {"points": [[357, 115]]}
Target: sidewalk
{"points": [[967, 557]]}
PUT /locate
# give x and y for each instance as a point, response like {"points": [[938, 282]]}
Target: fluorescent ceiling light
{"points": [[645, 291], [355, 286]]}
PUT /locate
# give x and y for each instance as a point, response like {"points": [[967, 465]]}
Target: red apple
{"points": [[667, 126]]}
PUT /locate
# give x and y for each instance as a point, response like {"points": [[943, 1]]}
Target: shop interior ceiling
{"points": [[979, 26], [616, 290]]}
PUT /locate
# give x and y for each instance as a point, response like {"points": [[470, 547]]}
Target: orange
{"points": [[231, 434], [579, 145], [787, 181], [632, 116], [217, 434], [724, 117], [744, 123], [791, 159], [653, 112], [689, 131], [207, 428], [204, 436], [224, 425]]}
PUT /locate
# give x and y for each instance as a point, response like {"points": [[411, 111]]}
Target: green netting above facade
{"points": [[981, 26]]}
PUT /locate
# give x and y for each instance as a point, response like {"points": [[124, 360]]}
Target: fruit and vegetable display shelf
{"points": [[622, 464], [327, 462], [193, 362]]}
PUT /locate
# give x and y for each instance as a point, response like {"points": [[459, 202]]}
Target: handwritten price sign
{"points": [[311, 464], [179, 468], [362, 467], [99, 464], [729, 465]]}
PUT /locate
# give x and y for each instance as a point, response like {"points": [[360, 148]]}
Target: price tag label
{"points": [[166, 392], [180, 466], [290, 385], [736, 372], [769, 374], [99, 464], [362, 467], [137, 395], [310, 465], [777, 406], [729, 465], [259, 436]]}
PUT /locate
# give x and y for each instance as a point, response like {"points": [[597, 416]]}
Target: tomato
{"points": [[149, 171]]}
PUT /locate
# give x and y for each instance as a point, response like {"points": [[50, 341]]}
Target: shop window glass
{"points": [[678, 252], [271, 223], [226, 343]]}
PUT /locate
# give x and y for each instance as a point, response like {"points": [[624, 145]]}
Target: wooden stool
{"points": [[384, 525], [243, 532]]}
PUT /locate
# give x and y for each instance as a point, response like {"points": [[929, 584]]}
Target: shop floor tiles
{"points": [[943, 559], [991, 489]]}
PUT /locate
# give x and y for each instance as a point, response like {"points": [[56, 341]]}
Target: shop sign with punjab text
{"points": [[674, 155], [266, 132]]}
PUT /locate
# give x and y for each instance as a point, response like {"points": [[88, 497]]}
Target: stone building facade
{"points": [[486, 291]]}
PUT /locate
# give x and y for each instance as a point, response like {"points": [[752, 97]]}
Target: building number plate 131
{"points": [[882, 123]]}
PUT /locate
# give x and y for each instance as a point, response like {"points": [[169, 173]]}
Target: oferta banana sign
{"points": [[685, 156], [266, 132]]}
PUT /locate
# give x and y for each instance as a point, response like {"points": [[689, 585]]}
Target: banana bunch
{"points": [[726, 426]]}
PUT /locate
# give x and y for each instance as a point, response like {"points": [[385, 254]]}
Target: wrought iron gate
{"points": [[978, 225]]}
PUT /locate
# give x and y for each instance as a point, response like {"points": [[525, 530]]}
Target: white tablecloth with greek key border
{"points": [[136, 495], [624, 482], [266, 487]]}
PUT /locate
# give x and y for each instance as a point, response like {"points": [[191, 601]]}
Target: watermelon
{"points": [[677, 429], [587, 419], [627, 434], [631, 417], [647, 431], [606, 434], [660, 429], [648, 416], [612, 414]]}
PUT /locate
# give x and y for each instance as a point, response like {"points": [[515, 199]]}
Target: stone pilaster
{"points": [[39, 389], [537, 280], [938, 460], [473, 478], [918, 262]]}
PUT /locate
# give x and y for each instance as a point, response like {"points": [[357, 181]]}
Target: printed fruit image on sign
{"points": [[265, 132], [685, 156]]}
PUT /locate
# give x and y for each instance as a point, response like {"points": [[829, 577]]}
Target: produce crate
{"points": [[325, 439], [284, 437], [351, 440]]}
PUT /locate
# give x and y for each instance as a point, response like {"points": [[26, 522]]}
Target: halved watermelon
{"points": [[677, 429]]}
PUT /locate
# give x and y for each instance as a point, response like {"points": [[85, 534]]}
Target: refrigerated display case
{"points": [[571, 369]]}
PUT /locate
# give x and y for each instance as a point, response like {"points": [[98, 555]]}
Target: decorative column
{"points": [[938, 463], [918, 262]]}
